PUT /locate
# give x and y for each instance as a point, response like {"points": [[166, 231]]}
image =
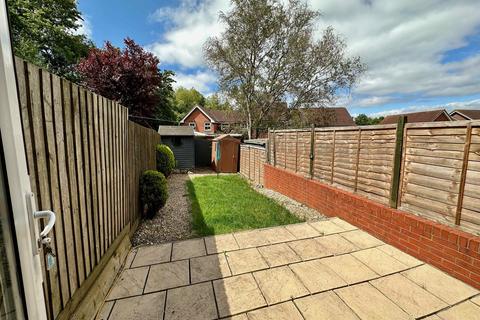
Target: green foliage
{"points": [[227, 203], [186, 99], [153, 192], [165, 159], [44, 33], [215, 102], [364, 120]]}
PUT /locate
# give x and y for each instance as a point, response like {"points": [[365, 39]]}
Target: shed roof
{"points": [[184, 131], [226, 137]]}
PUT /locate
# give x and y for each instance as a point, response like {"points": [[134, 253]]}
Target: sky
{"points": [[419, 54]]}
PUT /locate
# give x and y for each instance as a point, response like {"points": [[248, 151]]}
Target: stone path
{"points": [[318, 270]]}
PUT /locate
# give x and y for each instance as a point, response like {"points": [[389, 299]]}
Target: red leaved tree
{"points": [[130, 76]]}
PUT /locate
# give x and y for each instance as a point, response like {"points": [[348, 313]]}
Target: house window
{"points": [[207, 126], [225, 126], [192, 124]]}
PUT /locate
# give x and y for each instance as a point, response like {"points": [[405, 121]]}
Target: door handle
{"points": [[50, 215]]}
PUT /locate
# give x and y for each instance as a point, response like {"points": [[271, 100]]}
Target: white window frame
{"points": [[209, 124], [193, 125]]}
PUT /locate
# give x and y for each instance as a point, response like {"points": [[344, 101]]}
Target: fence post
{"points": [[312, 150], [397, 161], [274, 147], [333, 156], [466, 152], [359, 141], [267, 147]]}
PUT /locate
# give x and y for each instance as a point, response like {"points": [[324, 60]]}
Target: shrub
{"points": [[165, 159], [153, 192]]}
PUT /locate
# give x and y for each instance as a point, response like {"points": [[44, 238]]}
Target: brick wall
{"points": [[454, 251]]}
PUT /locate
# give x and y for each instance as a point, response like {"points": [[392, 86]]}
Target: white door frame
{"points": [[18, 180]]}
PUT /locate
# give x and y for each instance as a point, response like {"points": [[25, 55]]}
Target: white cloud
{"points": [[471, 104], [402, 42], [200, 80], [85, 27]]}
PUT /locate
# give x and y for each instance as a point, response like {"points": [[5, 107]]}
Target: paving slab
{"points": [[245, 260], [369, 303], [316, 276], [379, 261], [237, 317], [129, 283], [276, 235], [401, 256], [237, 294], [302, 230], [148, 255], [192, 302], [325, 305], [105, 310], [362, 239], [279, 284], [146, 307], [250, 239], [282, 311], [221, 243], [432, 317], [188, 249], [476, 300], [326, 227], [412, 298], [463, 311], [308, 249], [344, 224], [167, 275], [349, 268], [278, 255], [440, 284], [210, 267], [335, 244], [129, 259]]}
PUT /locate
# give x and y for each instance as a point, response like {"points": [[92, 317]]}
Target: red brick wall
{"points": [[199, 118], [454, 251]]}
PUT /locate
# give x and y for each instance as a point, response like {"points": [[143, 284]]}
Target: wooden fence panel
{"points": [[252, 160], [80, 150]]}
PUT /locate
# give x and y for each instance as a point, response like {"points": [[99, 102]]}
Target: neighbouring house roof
{"points": [[468, 114], [184, 131], [342, 116], [423, 116], [216, 116]]}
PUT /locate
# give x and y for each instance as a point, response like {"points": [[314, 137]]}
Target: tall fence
{"points": [[430, 169], [84, 158], [252, 158]]}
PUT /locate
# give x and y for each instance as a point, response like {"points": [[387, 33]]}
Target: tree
{"points": [[216, 102], [268, 55], [131, 77], [43, 32], [186, 99], [364, 120]]}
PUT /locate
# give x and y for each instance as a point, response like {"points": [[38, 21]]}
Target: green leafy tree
{"points": [[186, 99], [268, 54], [364, 120], [216, 102], [44, 33]]}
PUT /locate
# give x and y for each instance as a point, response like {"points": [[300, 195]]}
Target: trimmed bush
{"points": [[153, 192], [165, 159]]}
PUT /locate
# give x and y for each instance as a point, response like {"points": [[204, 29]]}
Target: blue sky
{"points": [[420, 54]]}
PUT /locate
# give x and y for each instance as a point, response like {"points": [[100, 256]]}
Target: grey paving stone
{"points": [[316, 276], [278, 254], [245, 260], [192, 302], [250, 239], [362, 239], [379, 261], [279, 284], [326, 227], [308, 249], [302, 230], [148, 255], [188, 249], [282, 311], [463, 311], [401, 256], [325, 305], [210, 267], [349, 269], [276, 235], [221, 243], [335, 244], [146, 307], [105, 310], [129, 283], [167, 275]]}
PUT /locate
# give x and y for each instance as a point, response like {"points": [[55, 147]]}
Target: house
{"points": [[211, 121], [465, 114], [423, 116], [181, 141], [325, 117]]}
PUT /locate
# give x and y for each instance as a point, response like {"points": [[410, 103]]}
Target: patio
{"points": [[318, 270]]}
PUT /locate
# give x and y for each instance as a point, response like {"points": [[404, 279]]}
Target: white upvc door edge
{"points": [[18, 180]]}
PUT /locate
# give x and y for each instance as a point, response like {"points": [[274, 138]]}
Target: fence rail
{"points": [[80, 147], [430, 169]]}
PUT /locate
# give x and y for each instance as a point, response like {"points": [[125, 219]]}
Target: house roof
{"points": [[184, 131], [423, 116], [216, 116], [342, 116], [226, 137], [467, 113]]}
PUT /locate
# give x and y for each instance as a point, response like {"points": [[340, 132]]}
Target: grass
{"points": [[227, 203]]}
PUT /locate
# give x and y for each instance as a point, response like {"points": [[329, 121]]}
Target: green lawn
{"points": [[227, 203]]}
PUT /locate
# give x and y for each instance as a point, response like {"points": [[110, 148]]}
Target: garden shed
{"points": [[180, 140], [225, 150]]}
